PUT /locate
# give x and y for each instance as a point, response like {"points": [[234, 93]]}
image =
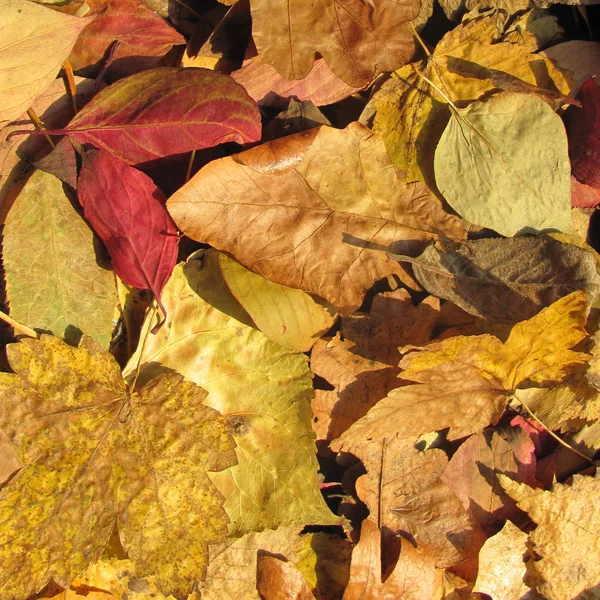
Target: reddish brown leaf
{"points": [[140, 31], [264, 84], [166, 111], [127, 211], [584, 135], [582, 195], [280, 580]]}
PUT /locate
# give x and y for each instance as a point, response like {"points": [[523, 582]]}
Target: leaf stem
{"points": [[436, 88], [418, 38], [190, 165], [37, 122], [23, 329], [556, 437], [70, 79]]}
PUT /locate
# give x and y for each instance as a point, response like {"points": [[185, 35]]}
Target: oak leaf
{"points": [[128, 213], [35, 42], [164, 111], [50, 286], [357, 39], [96, 453], [503, 164], [312, 211], [567, 537], [262, 387], [465, 381], [507, 280]]}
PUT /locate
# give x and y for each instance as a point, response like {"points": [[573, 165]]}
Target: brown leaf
{"points": [[413, 578], [280, 580], [356, 39], [405, 495], [312, 211]]}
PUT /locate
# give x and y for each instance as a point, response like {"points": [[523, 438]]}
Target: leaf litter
{"points": [[372, 351]]}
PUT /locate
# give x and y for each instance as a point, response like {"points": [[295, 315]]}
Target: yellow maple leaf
{"points": [[97, 453]]}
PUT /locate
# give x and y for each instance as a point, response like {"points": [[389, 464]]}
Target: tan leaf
{"points": [[312, 211], [580, 60], [357, 40], [35, 42], [280, 580], [413, 578], [567, 536]]}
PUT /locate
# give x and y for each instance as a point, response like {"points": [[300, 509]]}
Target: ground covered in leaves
{"points": [[301, 300]]}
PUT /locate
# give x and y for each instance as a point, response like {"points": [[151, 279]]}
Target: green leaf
{"points": [[504, 164], [265, 390], [53, 279]]}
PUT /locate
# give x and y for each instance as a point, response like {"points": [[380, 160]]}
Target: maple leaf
{"points": [[166, 111], [264, 388], [60, 290], [35, 42], [466, 380], [139, 30], [356, 39], [567, 534], [96, 454], [128, 212], [290, 211]]}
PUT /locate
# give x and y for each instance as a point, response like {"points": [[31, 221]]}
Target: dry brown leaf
{"points": [[280, 580], [567, 536], [580, 59], [312, 211], [405, 496], [356, 39], [413, 578]]}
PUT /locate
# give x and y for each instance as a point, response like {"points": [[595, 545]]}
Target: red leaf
{"points": [[583, 196], [127, 211], [321, 86], [140, 31], [584, 135], [166, 111]]}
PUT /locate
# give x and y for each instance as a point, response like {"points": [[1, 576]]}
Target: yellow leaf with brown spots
{"points": [[95, 453]]}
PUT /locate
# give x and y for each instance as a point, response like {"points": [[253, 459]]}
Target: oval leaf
{"points": [[166, 111]]}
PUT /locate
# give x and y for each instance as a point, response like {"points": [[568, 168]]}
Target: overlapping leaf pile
{"points": [[265, 349]]}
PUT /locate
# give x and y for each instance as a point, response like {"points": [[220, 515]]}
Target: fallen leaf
{"points": [[579, 59], [507, 280], [363, 367], [406, 496], [269, 88], [49, 286], [139, 30], [357, 40], [61, 162], [584, 134], [413, 578], [35, 42], [472, 475], [567, 537], [311, 211], [286, 316], [280, 580], [503, 164], [97, 453], [411, 115], [128, 213], [502, 565], [467, 380], [9, 459], [262, 387], [166, 111], [583, 196]]}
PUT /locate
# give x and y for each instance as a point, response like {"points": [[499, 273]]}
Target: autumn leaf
{"points": [[166, 111], [279, 580], [269, 88], [466, 380], [48, 286], [582, 195], [127, 211], [567, 534], [506, 280], [357, 40], [96, 453], [413, 577], [578, 59], [35, 42], [584, 135], [287, 316], [139, 30], [503, 164], [262, 387], [311, 211]]}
